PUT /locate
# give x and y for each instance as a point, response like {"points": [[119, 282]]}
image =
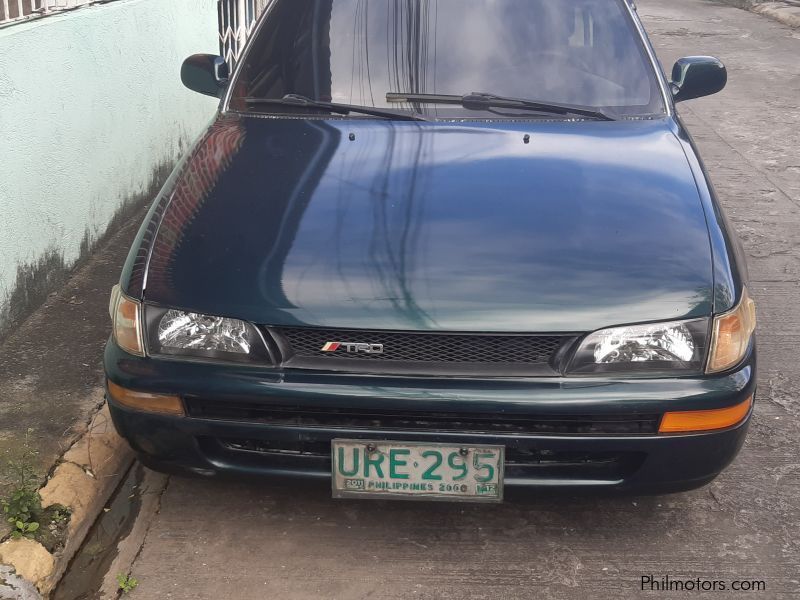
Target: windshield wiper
{"points": [[334, 107], [484, 101]]}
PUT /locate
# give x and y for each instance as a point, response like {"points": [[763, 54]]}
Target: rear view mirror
{"points": [[697, 76], [205, 73]]}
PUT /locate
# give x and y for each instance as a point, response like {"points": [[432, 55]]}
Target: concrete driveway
{"points": [[215, 539]]}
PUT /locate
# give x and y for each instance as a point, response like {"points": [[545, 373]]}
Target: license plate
{"points": [[410, 470]]}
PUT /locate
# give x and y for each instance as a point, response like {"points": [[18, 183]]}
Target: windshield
{"points": [[577, 52]]}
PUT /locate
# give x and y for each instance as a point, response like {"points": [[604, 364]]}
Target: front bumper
{"points": [[640, 463]]}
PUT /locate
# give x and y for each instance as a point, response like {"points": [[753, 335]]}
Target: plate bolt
{"points": [[371, 448], [463, 451]]}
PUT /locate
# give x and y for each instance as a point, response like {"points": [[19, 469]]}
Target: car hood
{"points": [[505, 226]]}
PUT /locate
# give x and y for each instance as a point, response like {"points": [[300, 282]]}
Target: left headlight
{"points": [[648, 348], [183, 333]]}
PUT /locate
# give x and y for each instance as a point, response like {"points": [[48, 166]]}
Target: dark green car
{"points": [[431, 250]]}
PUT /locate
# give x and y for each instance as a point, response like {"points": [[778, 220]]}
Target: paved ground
{"points": [[783, 11], [50, 372], [242, 540]]}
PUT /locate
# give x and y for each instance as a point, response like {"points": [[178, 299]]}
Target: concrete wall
{"points": [[92, 114]]}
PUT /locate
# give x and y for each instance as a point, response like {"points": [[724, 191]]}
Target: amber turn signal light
{"points": [[127, 327], [731, 335], [705, 420], [145, 401]]}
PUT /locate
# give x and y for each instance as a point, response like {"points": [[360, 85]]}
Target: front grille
{"points": [[424, 353], [389, 420], [426, 347]]}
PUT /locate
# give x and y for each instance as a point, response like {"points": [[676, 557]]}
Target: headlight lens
{"points": [[192, 331], [732, 334], [178, 332], [651, 347], [126, 322]]}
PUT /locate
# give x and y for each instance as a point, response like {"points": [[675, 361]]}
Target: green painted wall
{"points": [[91, 105]]}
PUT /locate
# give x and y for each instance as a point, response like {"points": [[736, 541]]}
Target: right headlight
{"points": [[731, 335], [649, 348], [653, 348]]}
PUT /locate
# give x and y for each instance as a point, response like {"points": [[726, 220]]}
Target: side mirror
{"points": [[697, 76], [205, 73]]}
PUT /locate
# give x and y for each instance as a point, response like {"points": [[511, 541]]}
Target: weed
{"points": [[126, 583], [24, 529], [23, 507], [60, 514]]}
